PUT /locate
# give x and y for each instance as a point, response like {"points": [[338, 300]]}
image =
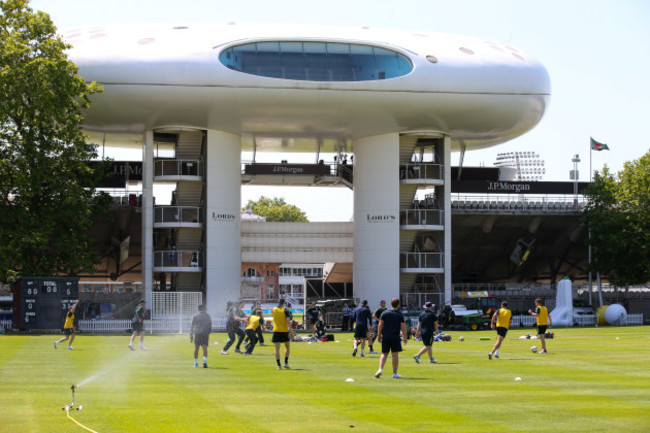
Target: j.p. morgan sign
{"points": [[380, 218], [503, 187], [289, 169]]}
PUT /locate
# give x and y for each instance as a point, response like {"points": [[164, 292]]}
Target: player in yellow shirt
{"points": [[501, 321], [543, 321], [253, 323], [281, 329], [68, 327]]}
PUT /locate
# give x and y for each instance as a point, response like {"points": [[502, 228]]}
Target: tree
{"points": [[618, 216], [276, 210], [47, 186]]}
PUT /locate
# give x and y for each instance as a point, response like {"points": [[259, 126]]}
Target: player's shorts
{"points": [[280, 337], [427, 338], [201, 339], [502, 331], [137, 326], [68, 331], [313, 320], [391, 345], [360, 331], [541, 329]]}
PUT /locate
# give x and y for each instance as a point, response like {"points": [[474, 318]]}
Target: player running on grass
{"points": [[138, 325], [503, 318], [235, 316], [543, 320], [252, 326], [427, 329], [200, 333], [68, 327], [362, 319], [281, 329], [376, 316]]}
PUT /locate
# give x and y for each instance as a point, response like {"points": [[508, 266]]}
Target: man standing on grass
{"points": [[281, 329], [362, 321], [233, 326], [200, 333], [503, 318], [68, 327], [391, 323], [347, 315], [427, 329], [138, 325], [543, 320]]}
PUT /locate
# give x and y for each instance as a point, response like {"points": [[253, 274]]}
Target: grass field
{"points": [[593, 380]]}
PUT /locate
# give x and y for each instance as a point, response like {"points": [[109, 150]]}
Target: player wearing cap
{"points": [[68, 327], [138, 325], [281, 329], [427, 329], [200, 333], [362, 319]]}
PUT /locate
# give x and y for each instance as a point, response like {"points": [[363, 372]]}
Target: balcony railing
{"points": [[421, 170], [421, 260], [252, 279], [421, 217], [177, 167], [178, 214], [177, 259]]}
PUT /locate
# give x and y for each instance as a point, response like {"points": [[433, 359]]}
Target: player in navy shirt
{"points": [[391, 324], [362, 319], [427, 329]]}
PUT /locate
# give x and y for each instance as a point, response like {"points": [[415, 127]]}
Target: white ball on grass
{"points": [[533, 349]]}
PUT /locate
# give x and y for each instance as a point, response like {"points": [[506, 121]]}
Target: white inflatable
{"points": [[615, 314], [562, 314]]}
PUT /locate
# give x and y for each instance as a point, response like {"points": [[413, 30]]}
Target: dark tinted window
{"points": [[316, 61]]}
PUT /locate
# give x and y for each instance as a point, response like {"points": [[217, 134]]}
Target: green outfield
{"points": [[593, 380]]}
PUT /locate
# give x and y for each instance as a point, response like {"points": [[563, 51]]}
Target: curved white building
{"points": [[399, 101]]}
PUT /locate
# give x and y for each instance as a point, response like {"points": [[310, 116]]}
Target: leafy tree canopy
{"points": [[618, 215], [47, 194], [276, 210]]}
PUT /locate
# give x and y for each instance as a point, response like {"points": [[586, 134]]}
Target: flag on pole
{"points": [[598, 146]]}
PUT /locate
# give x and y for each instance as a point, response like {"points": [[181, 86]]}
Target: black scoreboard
{"points": [[41, 303]]}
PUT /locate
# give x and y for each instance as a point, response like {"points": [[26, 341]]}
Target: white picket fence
{"points": [[172, 325]]}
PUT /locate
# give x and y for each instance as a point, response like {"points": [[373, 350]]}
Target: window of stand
{"points": [[316, 61]]}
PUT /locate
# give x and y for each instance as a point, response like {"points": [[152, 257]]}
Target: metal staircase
{"points": [[421, 222], [181, 225]]}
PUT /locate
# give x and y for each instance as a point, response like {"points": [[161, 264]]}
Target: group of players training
{"points": [[388, 328], [252, 332]]}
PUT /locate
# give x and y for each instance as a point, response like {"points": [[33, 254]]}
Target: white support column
{"points": [[147, 216], [447, 213], [376, 218], [223, 223]]}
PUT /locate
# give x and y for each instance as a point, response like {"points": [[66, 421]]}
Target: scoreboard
{"points": [[41, 303]]}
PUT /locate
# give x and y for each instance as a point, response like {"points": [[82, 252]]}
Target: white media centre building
{"points": [[398, 101]]}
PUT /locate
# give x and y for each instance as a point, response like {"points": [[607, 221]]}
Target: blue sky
{"points": [[597, 53]]}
